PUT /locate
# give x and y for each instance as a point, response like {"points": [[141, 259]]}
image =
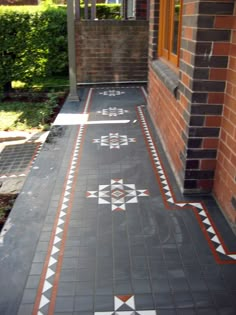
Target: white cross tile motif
{"points": [[113, 111], [117, 194], [112, 93], [125, 305], [114, 140]]}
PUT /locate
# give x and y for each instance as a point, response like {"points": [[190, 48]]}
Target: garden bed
{"points": [[30, 112], [6, 204]]}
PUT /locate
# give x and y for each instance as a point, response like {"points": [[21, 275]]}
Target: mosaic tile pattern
{"points": [[114, 140], [49, 277], [112, 112], [117, 194], [60, 226], [125, 305], [112, 251], [215, 243], [112, 93]]}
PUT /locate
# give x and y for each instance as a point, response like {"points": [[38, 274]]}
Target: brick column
{"points": [[225, 178], [73, 96], [153, 28], [203, 65]]}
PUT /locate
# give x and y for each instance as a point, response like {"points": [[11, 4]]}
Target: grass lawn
{"points": [[25, 116], [56, 83], [33, 108]]}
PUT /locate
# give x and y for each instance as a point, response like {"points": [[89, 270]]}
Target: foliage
{"points": [[6, 203], [33, 41], [33, 44], [60, 83], [105, 11], [27, 115]]}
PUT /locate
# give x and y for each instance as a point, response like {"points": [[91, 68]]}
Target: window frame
{"points": [[167, 54]]}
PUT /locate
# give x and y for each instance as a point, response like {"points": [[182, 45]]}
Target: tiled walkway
{"points": [[101, 228]]}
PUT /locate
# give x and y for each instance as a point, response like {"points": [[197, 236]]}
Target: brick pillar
{"points": [[203, 65], [225, 178], [153, 28], [73, 96]]}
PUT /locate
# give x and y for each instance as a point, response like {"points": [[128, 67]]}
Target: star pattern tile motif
{"points": [[112, 93], [117, 194], [112, 111], [125, 305], [114, 140]]}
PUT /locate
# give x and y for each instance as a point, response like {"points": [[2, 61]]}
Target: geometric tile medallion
{"points": [[125, 305], [117, 194], [112, 93], [113, 111], [114, 140]]}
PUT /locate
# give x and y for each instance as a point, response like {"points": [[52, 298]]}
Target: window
{"points": [[170, 25], [131, 8]]}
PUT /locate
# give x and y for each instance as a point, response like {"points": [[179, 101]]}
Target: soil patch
{"points": [[6, 204], [30, 112]]}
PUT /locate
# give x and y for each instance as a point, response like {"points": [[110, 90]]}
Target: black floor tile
{"points": [[104, 303], [164, 301], [84, 303]]}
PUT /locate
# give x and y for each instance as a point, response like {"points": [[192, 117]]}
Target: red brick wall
{"points": [[111, 51], [200, 140], [167, 114], [225, 177]]}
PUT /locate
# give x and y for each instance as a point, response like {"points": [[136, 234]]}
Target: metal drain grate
{"points": [[15, 159]]}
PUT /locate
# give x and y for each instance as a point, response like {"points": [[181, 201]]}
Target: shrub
{"points": [[104, 11], [33, 41], [32, 44]]}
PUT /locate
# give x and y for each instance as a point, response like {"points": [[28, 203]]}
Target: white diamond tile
{"points": [[49, 273], [47, 286], [44, 301], [52, 261], [220, 249]]}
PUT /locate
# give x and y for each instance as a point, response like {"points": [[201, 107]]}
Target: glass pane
{"points": [[167, 24], [176, 26]]}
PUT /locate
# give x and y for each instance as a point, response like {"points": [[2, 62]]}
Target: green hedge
{"points": [[33, 41], [104, 11], [32, 44]]}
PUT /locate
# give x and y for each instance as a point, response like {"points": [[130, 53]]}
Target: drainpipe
{"points": [[73, 96]]}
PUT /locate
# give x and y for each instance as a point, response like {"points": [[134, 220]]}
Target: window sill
{"points": [[167, 76]]}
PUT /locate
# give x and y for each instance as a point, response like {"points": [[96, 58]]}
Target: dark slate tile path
{"points": [[101, 228]]}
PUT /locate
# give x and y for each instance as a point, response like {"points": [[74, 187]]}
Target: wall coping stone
{"points": [[167, 76], [113, 22]]}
